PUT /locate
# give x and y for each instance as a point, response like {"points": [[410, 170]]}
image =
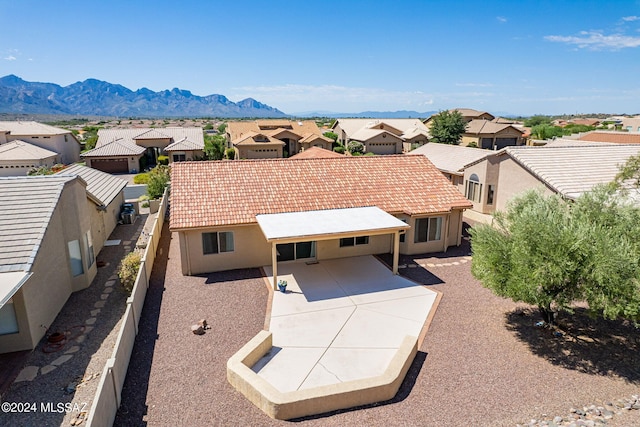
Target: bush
{"points": [[339, 149], [141, 178], [355, 147], [163, 160], [230, 153], [158, 179], [128, 270]]}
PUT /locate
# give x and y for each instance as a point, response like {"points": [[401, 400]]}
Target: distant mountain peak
{"points": [[94, 97]]}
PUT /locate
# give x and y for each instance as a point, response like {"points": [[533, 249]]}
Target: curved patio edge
{"points": [[317, 400]]}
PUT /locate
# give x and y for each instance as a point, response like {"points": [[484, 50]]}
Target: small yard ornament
{"points": [[282, 285]]}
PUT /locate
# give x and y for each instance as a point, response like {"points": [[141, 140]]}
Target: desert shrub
{"points": [[355, 147], [230, 153], [339, 149], [163, 160], [128, 270], [141, 178], [158, 179]]}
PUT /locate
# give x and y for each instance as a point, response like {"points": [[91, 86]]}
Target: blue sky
{"points": [[518, 57]]}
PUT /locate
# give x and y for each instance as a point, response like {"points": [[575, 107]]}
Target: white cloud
{"points": [[293, 98], [595, 40], [630, 18], [10, 58], [501, 19], [474, 84]]}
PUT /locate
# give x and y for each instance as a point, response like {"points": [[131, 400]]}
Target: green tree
{"points": [[537, 120], [356, 148], [551, 253], [447, 127], [222, 128], [230, 153], [214, 147], [546, 131], [128, 271], [159, 177]]}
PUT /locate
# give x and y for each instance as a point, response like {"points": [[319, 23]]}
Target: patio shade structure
{"points": [[329, 224]]}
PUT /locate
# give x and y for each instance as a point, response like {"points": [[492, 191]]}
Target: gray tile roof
{"points": [[184, 144], [451, 158], [31, 128], [129, 135], [350, 126], [118, 147], [26, 206], [21, 150], [102, 187], [486, 127], [573, 170]]}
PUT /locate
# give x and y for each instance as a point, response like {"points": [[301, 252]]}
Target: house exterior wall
{"points": [[505, 133], [383, 144], [317, 143], [22, 167], [266, 152], [133, 162], [189, 155], [251, 249], [103, 222], [158, 143], [42, 297], [513, 181], [487, 171], [66, 145], [418, 141]]}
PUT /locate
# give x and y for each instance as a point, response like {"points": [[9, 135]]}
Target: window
{"points": [[428, 229], [352, 241], [213, 243], [179, 157], [490, 192], [402, 236], [88, 244], [8, 319], [293, 251], [75, 258], [473, 188]]}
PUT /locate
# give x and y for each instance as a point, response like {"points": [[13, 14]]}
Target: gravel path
{"points": [[482, 363]]}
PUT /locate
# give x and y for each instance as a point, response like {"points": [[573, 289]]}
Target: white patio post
{"points": [[274, 265], [396, 251]]}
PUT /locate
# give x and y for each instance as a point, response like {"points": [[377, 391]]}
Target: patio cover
{"points": [[10, 283], [327, 225]]}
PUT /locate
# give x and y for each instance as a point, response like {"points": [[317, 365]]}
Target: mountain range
{"points": [[99, 98]]}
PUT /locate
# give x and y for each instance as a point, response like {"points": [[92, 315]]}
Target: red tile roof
{"points": [[215, 193], [615, 137], [316, 153]]}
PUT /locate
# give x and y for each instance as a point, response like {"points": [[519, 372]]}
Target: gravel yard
{"points": [[483, 361]]}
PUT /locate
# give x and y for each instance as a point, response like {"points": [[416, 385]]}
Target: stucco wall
{"points": [[22, 167], [513, 181], [66, 145], [329, 249], [253, 153], [384, 144]]}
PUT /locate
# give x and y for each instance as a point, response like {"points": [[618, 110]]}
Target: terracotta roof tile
{"points": [[608, 136], [316, 153], [216, 193]]}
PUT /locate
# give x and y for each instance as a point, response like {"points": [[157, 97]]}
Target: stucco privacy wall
{"points": [[252, 250]]}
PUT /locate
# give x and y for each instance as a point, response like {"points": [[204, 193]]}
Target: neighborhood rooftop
{"points": [[26, 206], [31, 128], [208, 194], [574, 170], [451, 158], [102, 187], [610, 136], [21, 150]]}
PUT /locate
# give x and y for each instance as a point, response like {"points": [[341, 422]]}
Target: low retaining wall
{"points": [[107, 398], [317, 400]]}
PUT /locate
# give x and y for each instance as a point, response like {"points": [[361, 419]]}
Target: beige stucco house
{"points": [[569, 170], [491, 135], [60, 141], [272, 139], [20, 157], [216, 206], [382, 136], [467, 114], [132, 150], [47, 251]]}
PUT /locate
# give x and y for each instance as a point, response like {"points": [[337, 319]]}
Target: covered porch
{"points": [[300, 230]]}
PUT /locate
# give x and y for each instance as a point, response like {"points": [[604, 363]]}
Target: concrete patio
{"points": [[339, 320]]}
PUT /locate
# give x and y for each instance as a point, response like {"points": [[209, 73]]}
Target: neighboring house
{"points": [[60, 141], [467, 114], [134, 149], [609, 136], [20, 157], [316, 153], [569, 170], [630, 124], [451, 160], [491, 135], [46, 253], [105, 196], [382, 136], [216, 209], [269, 139]]}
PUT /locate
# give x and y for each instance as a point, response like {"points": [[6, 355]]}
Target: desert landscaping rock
{"points": [[90, 321], [62, 359], [99, 304], [95, 312], [109, 283], [46, 369], [28, 373], [73, 349]]}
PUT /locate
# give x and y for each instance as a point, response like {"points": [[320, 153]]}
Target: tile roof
{"points": [[237, 130], [451, 158], [350, 126], [316, 153], [216, 193], [26, 206], [102, 187], [573, 170], [366, 134], [310, 137], [21, 150], [118, 147], [486, 127], [257, 138], [129, 135], [185, 144], [610, 136], [31, 128]]}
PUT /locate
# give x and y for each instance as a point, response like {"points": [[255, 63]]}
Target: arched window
{"points": [[473, 188]]}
